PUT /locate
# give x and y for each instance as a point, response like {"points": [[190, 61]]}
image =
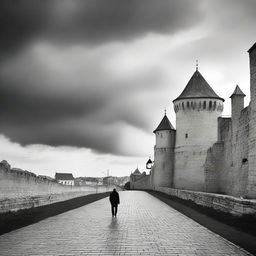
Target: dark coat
{"points": [[114, 198]]}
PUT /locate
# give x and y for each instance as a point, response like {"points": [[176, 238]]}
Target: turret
{"points": [[237, 104], [164, 153], [197, 110]]}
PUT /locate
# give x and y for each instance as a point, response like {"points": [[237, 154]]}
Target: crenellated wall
{"points": [[22, 189]]}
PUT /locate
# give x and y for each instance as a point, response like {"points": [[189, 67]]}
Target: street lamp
{"points": [[149, 164]]}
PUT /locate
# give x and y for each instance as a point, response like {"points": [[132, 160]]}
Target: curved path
{"points": [[144, 226]]}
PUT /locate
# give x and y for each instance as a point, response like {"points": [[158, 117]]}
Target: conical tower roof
{"points": [[237, 92], [136, 172], [165, 124], [197, 87], [252, 48]]}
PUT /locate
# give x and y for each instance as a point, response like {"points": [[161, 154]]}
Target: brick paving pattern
{"points": [[144, 226]]}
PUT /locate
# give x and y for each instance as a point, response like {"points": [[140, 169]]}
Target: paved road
{"points": [[144, 226]]}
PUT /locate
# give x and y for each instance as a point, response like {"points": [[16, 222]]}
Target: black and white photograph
{"points": [[127, 127]]}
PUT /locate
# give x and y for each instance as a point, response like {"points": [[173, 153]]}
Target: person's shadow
{"points": [[113, 239], [113, 224]]}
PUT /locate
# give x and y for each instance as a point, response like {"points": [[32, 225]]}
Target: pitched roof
{"points": [[237, 92], [252, 48], [165, 124], [136, 172], [197, 87], [64, 176], [149, 161]]}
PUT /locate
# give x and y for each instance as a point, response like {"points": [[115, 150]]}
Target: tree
{"points": [[127, 185]]}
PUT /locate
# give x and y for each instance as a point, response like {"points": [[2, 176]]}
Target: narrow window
{"points": [[186, 135], [188, 104], [245, 160], [204, 105], [210, 105], [214, 105], [183, 105]]}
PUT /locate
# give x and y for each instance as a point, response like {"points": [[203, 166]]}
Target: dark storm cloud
{"points": [[98, 20], [40, 104], [51, 95], [84, 108], [91, 21], [21, 22]]}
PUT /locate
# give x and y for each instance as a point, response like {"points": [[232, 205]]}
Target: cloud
{"points": [[46, 160], [57, 97], [96, 73], [91, 22]]}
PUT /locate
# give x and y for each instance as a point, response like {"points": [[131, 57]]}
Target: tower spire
{"points": [[196, 65], [165, 111]]}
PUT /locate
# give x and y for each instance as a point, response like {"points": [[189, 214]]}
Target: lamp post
{"points": [[149, 164]]}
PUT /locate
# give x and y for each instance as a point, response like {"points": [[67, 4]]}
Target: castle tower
{"points": [[197, 110], [251, 187], [164, 154]]}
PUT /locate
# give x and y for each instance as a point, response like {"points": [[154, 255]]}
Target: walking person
{"points": [[114, 200]]}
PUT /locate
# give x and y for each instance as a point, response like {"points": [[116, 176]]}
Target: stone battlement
{"points": [[6, 167], [21, 189], [198, 105]]}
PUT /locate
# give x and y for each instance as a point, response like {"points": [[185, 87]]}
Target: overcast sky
{"points": [[83, 83]]}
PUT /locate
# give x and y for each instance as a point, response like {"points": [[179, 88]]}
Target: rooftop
{"points": [[197, 87], [136, 172], [64, 176], [237, 92], [252, 48], [165, 124]]}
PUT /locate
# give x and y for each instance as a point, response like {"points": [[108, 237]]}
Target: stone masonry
{"points": [[251, 186]]}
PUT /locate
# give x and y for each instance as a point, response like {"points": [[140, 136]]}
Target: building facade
{"points": [[65, 178], [207, 152]]}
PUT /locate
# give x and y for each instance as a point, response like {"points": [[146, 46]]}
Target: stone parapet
{"points": [[21, 189], [223, 203], [20, 203]]}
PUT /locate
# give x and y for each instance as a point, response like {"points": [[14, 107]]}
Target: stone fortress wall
{"points": [[225, 166], [22, 189], [227, 163]]}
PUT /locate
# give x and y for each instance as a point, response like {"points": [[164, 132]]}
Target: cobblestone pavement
{"points": [[144, 226]]}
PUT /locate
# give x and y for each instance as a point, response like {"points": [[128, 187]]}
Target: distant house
{"points": [[65, 178]]}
